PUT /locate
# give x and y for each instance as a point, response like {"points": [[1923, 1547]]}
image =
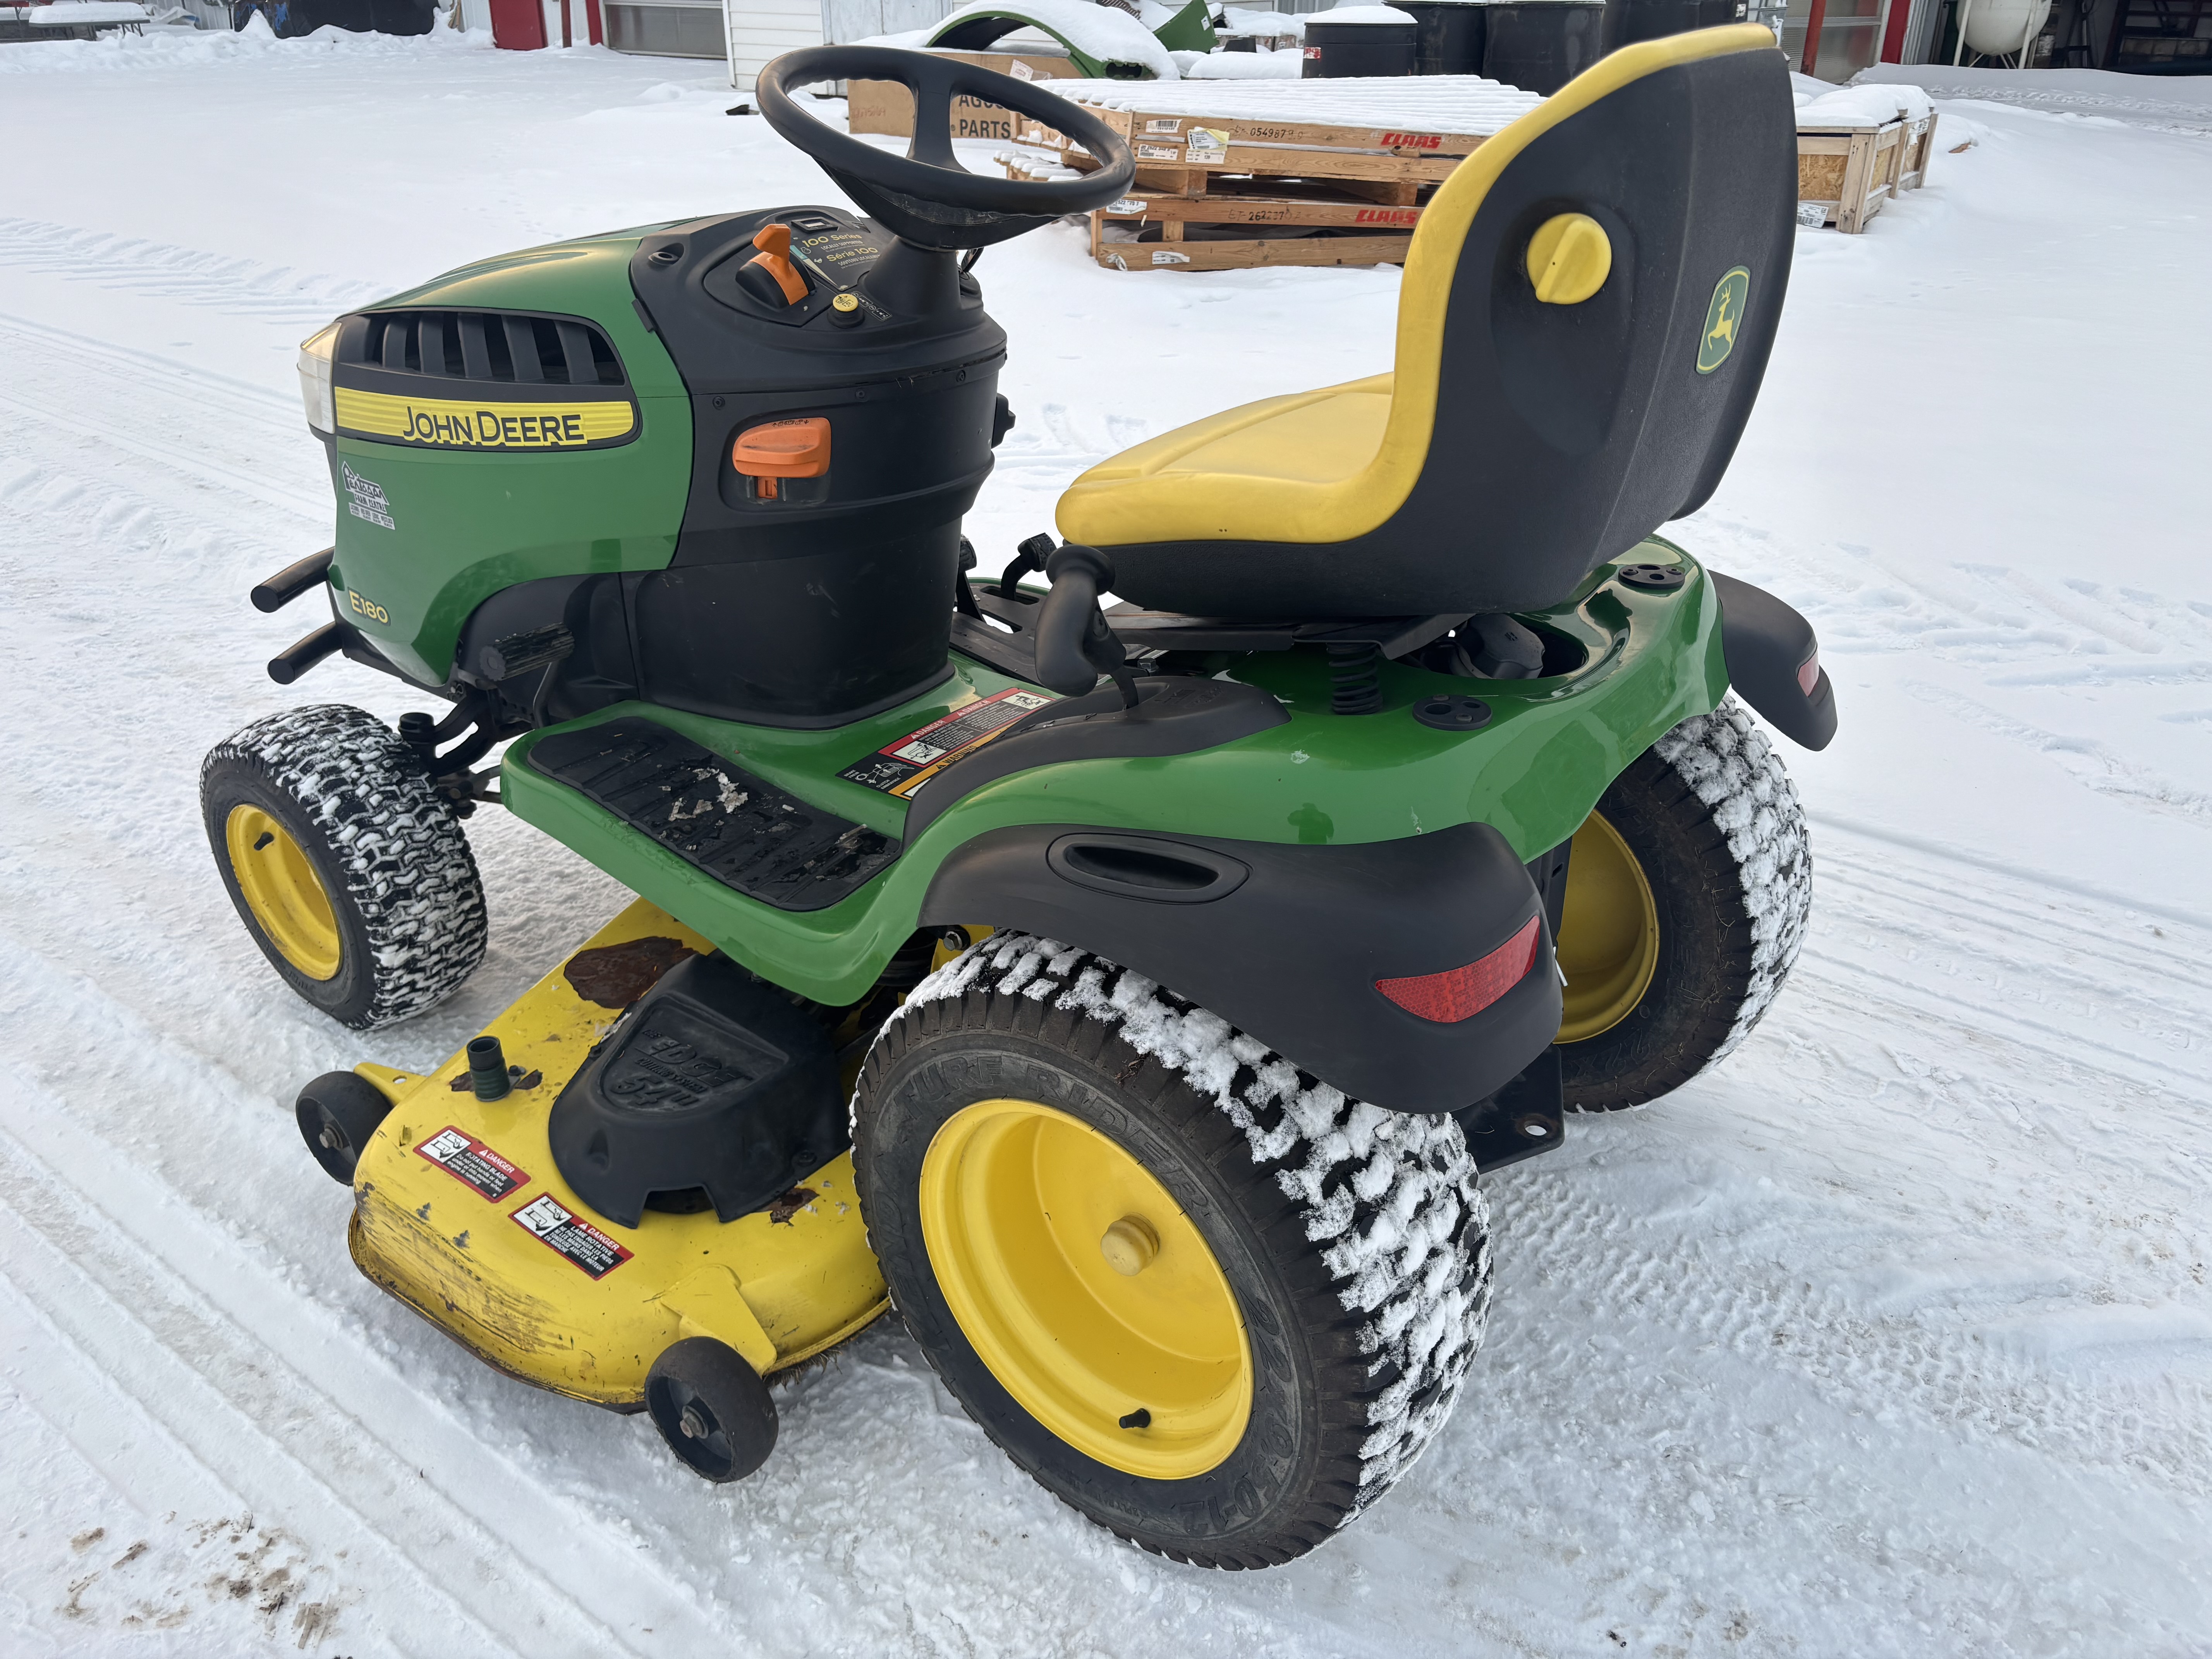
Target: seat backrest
{"points": [[1538, 430]]}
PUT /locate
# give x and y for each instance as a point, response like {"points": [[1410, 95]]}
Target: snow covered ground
{"points": [[1892, 1337]]}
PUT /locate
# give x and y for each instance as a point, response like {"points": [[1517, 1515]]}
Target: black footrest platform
{"points": [[746, 833]]}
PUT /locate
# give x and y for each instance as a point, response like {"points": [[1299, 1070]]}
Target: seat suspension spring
{"points": [[1355, 679]]}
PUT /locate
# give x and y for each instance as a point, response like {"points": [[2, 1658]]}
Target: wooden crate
{"points": [[1916, 151], [1245, 255], [1250, 160], [1853, 171]]}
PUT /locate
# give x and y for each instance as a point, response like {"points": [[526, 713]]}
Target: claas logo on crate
{"points": [[1389, 216], [1412, 141]]}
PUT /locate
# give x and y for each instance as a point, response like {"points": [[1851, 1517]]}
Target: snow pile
{"points": [[1104, 32], [162, 50], [1364, 14], [1247, 66], [87, 14], [1267, 25], [1410, 103], [1861, 107]]}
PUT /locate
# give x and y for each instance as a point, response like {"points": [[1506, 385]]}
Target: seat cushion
{"points": [[1301, 469]]}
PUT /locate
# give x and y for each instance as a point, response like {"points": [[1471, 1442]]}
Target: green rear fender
{"points": [[1534, 773]]}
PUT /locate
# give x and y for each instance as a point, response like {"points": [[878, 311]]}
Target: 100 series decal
{"points": [[443, 423]]}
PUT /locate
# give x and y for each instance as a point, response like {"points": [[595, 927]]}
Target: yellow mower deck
{"points": [[460, 1212]]}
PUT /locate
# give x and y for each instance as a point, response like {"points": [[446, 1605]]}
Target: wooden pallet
{"points": [[1852, 173], [1240, 256]]}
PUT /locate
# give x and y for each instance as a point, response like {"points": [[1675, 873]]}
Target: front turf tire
{"points": [[1354, 1240], [1714, 829], [350, 873]]}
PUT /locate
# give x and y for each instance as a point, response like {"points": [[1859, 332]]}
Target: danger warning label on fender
{"points": [[471, 1162], [904, 765], [581, 1242]]}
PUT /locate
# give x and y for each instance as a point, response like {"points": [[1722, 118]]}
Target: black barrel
{"points": [[1451, 35], [1654, 19], [1540, 46], [1338, 45]]}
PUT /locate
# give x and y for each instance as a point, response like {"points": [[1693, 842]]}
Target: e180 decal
{"points": [[440, 424]]}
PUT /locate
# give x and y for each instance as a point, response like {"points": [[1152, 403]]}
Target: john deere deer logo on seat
{"points": [[1721, 316]]}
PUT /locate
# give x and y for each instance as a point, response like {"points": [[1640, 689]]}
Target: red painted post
{"points": [[517, 25], [1892, 32], [592, 21], [1813, 19], [567, 39]]}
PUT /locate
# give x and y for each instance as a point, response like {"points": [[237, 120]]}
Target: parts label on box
{"points": [[470, 1160]]}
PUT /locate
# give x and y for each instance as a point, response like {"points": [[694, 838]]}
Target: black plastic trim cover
{"points": [[1765, 643], [1291, 954]]}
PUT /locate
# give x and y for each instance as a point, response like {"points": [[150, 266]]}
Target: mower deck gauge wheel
{"points": [[337, 1113], [712, 1409]]}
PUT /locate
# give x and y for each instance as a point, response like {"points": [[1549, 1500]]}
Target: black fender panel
{"points": [[1766, 643], [1286, 942]]}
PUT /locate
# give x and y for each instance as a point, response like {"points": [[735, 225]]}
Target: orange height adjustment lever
{"points": [[781, 449], [773, 242]]}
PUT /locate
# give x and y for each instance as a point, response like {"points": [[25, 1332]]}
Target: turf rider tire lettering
{"points": [[390, 855], [1355, 1239], [1716, 824]]}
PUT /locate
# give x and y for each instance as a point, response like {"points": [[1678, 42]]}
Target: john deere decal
{"points": [[439, 423], [1722, 315]]}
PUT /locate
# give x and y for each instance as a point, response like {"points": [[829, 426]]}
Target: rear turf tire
{"points": [[1716, 830], [351, 873], [1353, 1240]]}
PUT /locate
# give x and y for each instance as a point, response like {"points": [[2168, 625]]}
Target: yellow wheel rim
{"points": [[1090, 1294], [282, 891], [1608, 940]]}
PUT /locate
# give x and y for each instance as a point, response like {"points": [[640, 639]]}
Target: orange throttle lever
{"points": [[774, 259]]}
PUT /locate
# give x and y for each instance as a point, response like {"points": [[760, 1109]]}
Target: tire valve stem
{"points": [[488, 1068], [1139, 1418]]}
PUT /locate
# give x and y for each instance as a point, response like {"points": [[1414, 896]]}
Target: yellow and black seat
{"points": [[1586, 314]]}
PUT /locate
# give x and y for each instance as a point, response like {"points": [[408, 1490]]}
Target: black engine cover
{"points": [[714, 1084]]}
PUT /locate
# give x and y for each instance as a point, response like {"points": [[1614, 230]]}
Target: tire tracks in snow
{"points": [[133, 265], [289, 1409], [104, 396]]}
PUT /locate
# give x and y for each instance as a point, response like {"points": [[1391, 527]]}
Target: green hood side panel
{"points": [[465, 525], [1550, 749]]}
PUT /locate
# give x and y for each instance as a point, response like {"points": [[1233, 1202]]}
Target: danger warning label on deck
{"points": [[472, 1161], [581, 1242], [904, 765]]}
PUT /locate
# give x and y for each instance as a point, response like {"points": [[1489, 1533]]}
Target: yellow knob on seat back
{"points": [[1568, 259]]}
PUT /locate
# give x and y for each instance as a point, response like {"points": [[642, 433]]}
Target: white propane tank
{"points": [[2001, 28]]}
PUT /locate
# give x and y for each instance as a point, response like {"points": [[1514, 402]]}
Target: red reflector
{"points": [[1809, 673], [1462, 992]]}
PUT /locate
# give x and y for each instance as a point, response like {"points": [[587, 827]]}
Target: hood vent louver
{"points": [[485, 347]]}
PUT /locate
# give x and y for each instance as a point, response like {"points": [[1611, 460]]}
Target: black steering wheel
{"points": [[926, 196]]}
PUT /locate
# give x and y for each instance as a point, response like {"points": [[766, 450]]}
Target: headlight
{"points": [[315, 379]]}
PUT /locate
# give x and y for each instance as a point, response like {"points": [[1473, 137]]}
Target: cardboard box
{"points": [[888, 107]]}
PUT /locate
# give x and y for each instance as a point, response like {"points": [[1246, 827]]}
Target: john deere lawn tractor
{"points": [[1123, 965]]}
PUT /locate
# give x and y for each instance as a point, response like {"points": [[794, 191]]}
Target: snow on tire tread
{"points": [[409, 869], [1393, 1193]]}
